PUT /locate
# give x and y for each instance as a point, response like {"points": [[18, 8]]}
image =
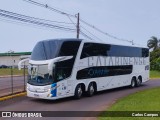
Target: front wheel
{"points": [[78, 92], [91, 90]]}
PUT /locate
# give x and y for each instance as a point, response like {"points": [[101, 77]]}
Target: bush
{"points": [[155, 60]]}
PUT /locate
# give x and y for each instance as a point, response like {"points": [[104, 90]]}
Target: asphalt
{"points": [[98, 102], [6, 84]]}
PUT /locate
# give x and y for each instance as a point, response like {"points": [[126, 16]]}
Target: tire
{"points": [[133, 83], [91, 90], [138, 82], [78, 92]]}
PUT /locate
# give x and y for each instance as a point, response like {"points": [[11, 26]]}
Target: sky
{"points": [[135, 20]]}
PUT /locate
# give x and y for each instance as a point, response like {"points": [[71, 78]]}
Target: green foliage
{"points": [[153, 43], [154, 74], [155, 60]]}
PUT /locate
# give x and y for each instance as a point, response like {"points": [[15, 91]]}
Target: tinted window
{"points": [[45, 50], [96, 49], [50, 49], [63, 69], [103, 71], [145, 52], [124, 51], [69, 48]]}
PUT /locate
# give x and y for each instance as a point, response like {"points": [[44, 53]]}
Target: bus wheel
{"points": [[91, 90], [138, 82], [133, 82], [78, 92]]}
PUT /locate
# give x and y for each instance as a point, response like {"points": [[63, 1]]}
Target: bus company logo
{"points": [[6, 114], [111, 61]]}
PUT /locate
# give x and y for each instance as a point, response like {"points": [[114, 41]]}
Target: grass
{"points": [[154, 74], [147, 100], [7, 71]]}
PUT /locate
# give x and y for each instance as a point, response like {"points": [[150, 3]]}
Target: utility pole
{"points": [[78, 29]]}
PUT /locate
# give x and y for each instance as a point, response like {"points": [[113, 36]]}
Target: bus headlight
{"points": [[49, 95], [47, 90]]}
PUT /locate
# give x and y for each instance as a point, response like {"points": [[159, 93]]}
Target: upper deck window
{"points": [[97, 49], [45, 50]]}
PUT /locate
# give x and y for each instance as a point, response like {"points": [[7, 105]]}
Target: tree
{"points": [[155, 60], [153, 43]]}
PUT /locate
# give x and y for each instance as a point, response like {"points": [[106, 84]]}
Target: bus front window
{"points": [[39, 75]]}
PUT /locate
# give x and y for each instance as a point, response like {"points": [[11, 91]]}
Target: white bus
{"points": [[61, 68]]}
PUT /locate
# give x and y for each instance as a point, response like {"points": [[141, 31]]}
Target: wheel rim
{"points": [[138, 81], [91, 90], [79, 91], [133, 83]]}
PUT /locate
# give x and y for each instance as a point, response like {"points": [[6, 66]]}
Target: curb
{"points": [[13, 96]]}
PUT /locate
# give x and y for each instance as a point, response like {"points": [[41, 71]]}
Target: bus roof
{"points": [[89, 41]]}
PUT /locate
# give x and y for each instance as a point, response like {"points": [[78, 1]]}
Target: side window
{"points": [[124, 51], [94, 49], [145, 52], [63, 69], [104, 71], [69, 48]]}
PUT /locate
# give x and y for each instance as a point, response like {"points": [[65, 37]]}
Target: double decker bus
{"points": [[61, 68]]}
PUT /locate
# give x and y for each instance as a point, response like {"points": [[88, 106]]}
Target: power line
{"points": [[82, 33], [91, 33], [86, 36], [64, 13], [48, 7], [46, 23], [105, 33], [33, 20]]}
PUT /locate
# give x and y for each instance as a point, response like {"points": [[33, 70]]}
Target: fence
{"points": [[12, 80]]}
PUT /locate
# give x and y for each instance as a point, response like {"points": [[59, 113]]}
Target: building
{"points": [[12, 59]]}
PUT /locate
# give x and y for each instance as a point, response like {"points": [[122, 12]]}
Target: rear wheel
{"points": [[91, 90], [133, 82], [78, 92], [138, 82]]}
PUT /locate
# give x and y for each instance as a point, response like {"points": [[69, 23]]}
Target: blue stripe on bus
{"points": [[54, 92]]}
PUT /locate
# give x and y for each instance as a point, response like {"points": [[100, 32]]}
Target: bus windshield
{"points": [[39, 75]]}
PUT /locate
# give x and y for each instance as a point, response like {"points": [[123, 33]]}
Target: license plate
{"points": [[36, 95]]}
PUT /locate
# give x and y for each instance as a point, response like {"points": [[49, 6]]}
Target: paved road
{"points": [[5, 84], [96, 103]]}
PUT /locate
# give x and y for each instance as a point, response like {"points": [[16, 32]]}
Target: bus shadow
{"points": [[62, 100], [53, 101], [119, 89]]}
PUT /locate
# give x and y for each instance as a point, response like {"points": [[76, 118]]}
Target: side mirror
{"points": [[21, 62]]}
